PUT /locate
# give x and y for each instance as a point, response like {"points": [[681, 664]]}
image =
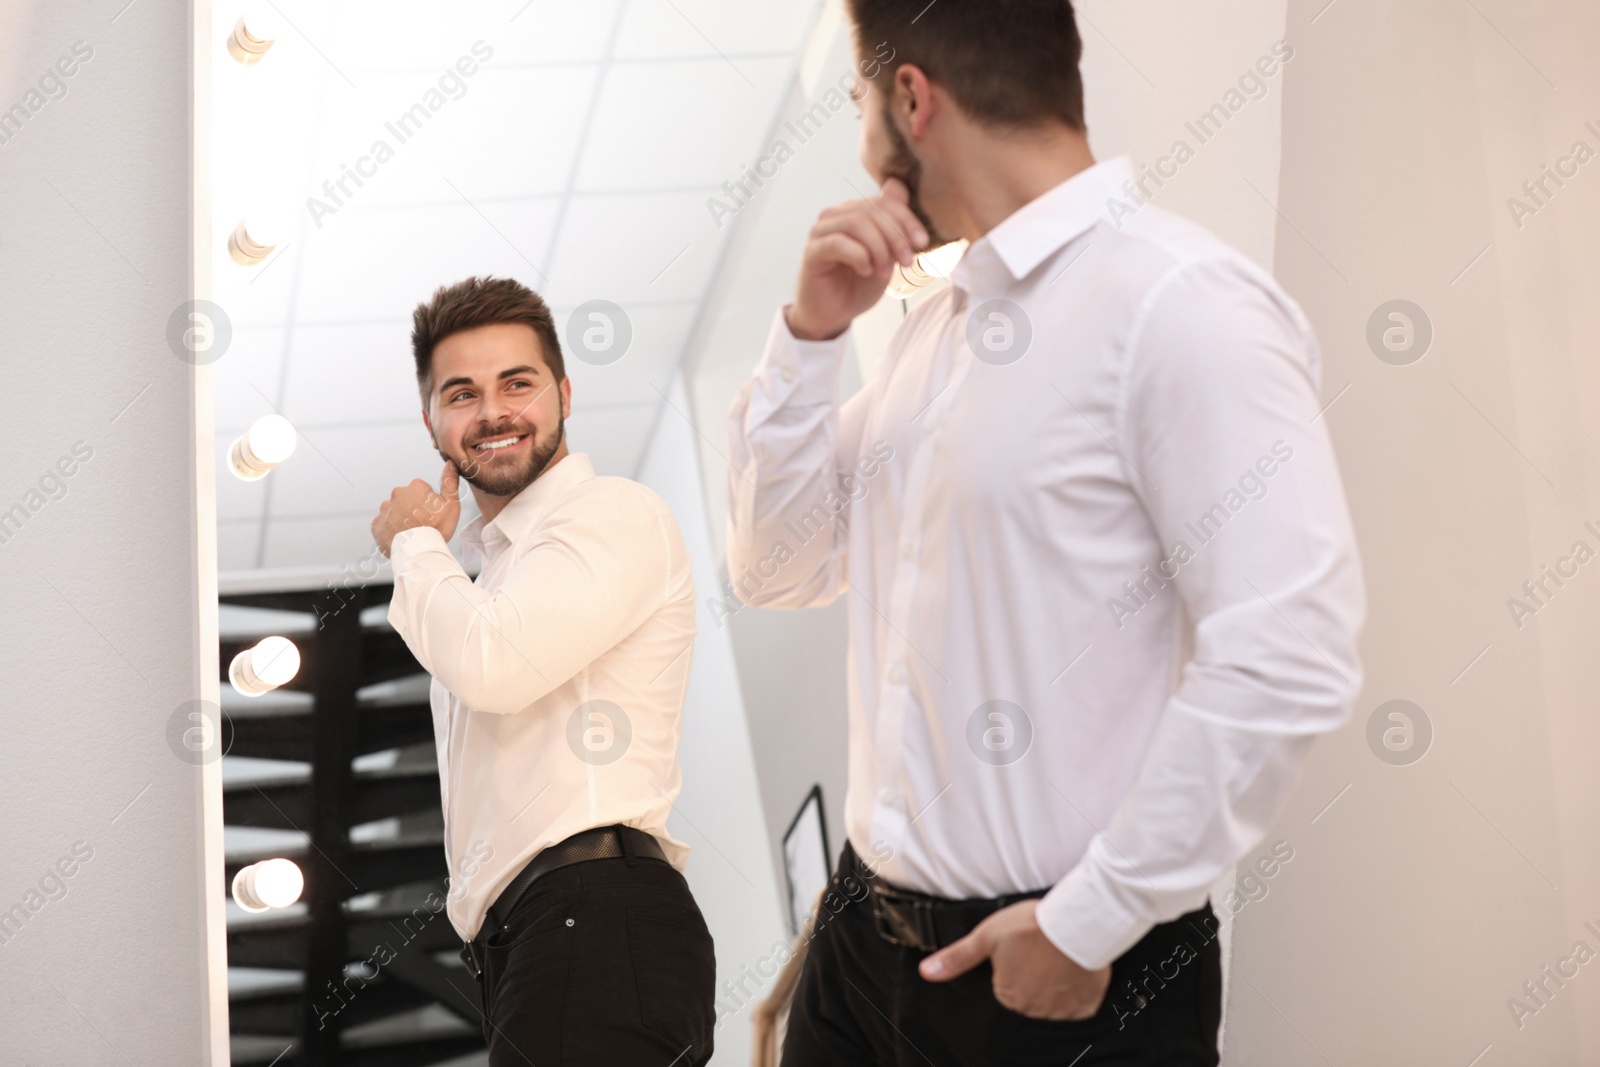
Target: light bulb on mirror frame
{"points": [[274, 883], [939, 262], [254, 34], [926, 268], [254, 239], [270, 440], [905, 281], [263, 667]]}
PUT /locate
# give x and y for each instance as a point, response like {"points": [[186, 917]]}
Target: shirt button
{"points": [[788, 375], [897, 675], [889, 796], [906, 551]]}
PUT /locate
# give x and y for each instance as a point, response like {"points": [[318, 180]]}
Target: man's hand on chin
{"points": [[1031, 976], [416, 505]]}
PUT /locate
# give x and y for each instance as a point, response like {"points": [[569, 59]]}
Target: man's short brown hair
{"points": [[478, 302], [1006, 62]]}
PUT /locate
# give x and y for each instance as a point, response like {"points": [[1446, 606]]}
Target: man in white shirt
{"points": [[1100, 602], [559, 678]]}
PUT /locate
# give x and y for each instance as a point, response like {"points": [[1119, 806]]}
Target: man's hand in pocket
{"points": [[1031, 976]]}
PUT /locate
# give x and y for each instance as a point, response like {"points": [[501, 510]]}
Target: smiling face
{"points": [[494, 408]]}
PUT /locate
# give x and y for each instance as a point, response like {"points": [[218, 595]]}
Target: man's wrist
{"points": [[404, 539], [802, 329], [1084, 925]]}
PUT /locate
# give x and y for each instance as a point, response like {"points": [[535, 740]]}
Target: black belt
{"points": [[927, 924], [601, 843]]}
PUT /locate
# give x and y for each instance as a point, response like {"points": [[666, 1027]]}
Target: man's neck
{"points": [[1001, 172], [490, 505]]}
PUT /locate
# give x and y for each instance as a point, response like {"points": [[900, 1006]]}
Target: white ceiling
{"points": [[578, 160]]}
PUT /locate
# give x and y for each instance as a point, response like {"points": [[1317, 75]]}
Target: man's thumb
{"points": [[955, 960], [450, 482]]}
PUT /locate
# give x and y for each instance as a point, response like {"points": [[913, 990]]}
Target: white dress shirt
{"points": [[558, 675], [1127, 527]]}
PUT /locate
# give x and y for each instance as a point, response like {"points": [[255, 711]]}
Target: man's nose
{"points": [[495, 409]]}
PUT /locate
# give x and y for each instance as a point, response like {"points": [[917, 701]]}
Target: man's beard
{"points": [[499, 478], [903, 164]]}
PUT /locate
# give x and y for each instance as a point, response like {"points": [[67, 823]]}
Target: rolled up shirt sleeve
{"points": [[595, 575], [789, 439], [1221, 437]]}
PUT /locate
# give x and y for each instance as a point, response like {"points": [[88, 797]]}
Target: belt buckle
{"points": [[469, 956], [908, 928]]}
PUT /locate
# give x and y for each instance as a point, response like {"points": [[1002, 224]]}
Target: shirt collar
{"points": [[528, 506], [1038, 229]]}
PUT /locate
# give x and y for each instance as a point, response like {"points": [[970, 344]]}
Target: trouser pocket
{"points": [[675, 971]]}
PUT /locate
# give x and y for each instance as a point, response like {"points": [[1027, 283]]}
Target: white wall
{"points": [[102, 638], [1418, 904], [720, 812]]}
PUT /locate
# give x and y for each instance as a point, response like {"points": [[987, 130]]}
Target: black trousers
{"points": [[601, 963], [861, 1001]]}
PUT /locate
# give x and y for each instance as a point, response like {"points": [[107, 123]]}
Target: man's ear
{"points": [[427, 422], [914, 92], [566, 398]]}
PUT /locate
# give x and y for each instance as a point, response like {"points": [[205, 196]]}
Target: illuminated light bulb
{"points": [[926, 268], [263, 667], [939, 262], [254, 33], [268, 884], [905, 281], [253, 240], [269, 441]]}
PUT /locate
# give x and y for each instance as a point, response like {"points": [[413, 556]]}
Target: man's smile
{"points": [[494, 446]]}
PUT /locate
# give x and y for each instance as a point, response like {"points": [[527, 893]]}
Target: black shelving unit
{"points": [[347, 981]]}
